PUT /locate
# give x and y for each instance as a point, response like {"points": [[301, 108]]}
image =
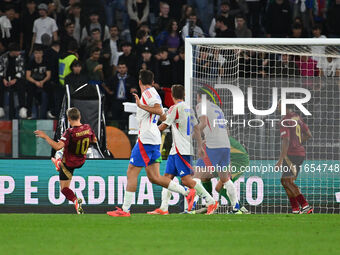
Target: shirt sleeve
{"points": [[304, 126], [284, 132], [65, 138], [93, 137], [170, 118], [153, 99]]}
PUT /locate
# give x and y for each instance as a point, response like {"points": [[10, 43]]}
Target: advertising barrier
{"points": [[33, 186]]}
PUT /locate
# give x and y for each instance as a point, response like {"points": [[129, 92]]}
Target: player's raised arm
{"points": [[155, 109], [55, 145]]}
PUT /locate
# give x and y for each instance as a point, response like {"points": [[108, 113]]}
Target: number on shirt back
{"points": [[190, 125], [82, 146], [220, 117], [298, 131], [155, 118]]}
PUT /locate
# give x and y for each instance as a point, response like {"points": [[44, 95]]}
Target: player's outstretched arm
{"points": [[155, 109], [55, 145]]}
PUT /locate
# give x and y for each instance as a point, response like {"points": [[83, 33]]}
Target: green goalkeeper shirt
{"points": [[239, 158]]}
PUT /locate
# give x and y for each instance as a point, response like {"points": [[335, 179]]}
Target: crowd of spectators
{"points": [[45, 44]]}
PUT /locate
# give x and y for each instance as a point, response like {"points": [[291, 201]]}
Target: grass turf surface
{"points": [[172, 234]]}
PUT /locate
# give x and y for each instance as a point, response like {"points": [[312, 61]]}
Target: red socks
{"points": [[302, 201], [294, 203], [68, 193]]}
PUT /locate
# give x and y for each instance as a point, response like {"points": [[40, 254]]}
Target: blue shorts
{"points": [[215, 157], [143, 155], [176, 166]]}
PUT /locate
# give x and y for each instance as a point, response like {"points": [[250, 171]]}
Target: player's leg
{"points": [[297, 163], [166, 195], [132, 182], [286, 182], [225, 177], [201, 192], [65, 177], [152, 171], [131, 187], [170, 172]]}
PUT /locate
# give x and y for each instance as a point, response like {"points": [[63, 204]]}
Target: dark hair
{"points": [[146, 77], [240, 16], [72, 46], [13, 46], [95, 30], [297, 26], [73, 113], [222, 19], [225, 2], [76, 5], [162, 49], [193, 13], [75, 63], [317, 26], [141, 33], [177, 91], [68, 23], [114, 25], [55, 43], [169, 27], [95, 49], [38, 48], [122, 63]]}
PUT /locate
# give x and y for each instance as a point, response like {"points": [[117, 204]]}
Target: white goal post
{"points": [[264, 65]]}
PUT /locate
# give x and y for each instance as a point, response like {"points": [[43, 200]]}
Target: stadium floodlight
{"points": [[253, 73]]}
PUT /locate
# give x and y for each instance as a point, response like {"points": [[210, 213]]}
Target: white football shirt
{"points": [[44, 26], [182, 121], [215, 132], [329, 68], [148, 129]]}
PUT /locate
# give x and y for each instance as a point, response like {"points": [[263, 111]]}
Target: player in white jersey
{"points": [[217, 149], [146, 151], [183, 123]]}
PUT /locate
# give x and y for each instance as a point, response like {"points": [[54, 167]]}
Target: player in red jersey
{"points": [[75, 141], [294, 132]]}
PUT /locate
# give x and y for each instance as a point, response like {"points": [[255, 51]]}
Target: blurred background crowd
{"points": [[45, 44]]}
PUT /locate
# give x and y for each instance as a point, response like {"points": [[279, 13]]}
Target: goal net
{"points": [[259, 67]]}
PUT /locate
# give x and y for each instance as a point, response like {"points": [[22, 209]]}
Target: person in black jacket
{"points": [[121, 86], [76, 80], [279, 19], [128, 58], [222, 29]]}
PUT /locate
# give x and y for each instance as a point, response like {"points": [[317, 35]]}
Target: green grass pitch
{"points": [[172, 234]]}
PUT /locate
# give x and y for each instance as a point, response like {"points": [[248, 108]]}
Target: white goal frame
{"points": [[190, 42]]}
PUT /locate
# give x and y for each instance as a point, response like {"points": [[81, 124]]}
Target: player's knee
{"points": [[154, 179], [188, 182]]}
